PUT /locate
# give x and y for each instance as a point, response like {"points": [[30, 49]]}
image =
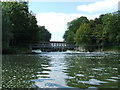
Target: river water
{"points": [[61, 70]]}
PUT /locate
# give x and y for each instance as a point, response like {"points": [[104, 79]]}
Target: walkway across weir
{"points": [[53, 46]]}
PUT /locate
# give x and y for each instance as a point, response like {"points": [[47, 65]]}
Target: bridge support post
{"points": [[30, 48]]}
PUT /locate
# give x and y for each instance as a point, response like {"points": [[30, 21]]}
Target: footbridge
{"points": [[53, 46]]}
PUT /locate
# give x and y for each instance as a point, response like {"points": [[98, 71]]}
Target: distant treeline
{"points": [[104, 31], [19, 26]]}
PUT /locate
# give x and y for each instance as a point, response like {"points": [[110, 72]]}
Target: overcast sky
{"points": [[54, 14]]}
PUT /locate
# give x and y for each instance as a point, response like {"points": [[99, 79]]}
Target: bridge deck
{"points": [[53, 46]]}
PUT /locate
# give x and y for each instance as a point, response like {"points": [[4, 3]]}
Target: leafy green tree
{"points": [[32, 33], [75, 24], [70, 38], [102, 31], [20, 26], [83, 35], [44, 34], [72, 28], [6, 27], [97, 27], [19, 18], [111, 27]]}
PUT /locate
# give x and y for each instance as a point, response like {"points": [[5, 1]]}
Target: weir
{"points": [[53, 46]]}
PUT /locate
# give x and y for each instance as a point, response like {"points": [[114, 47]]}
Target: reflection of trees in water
{"points": [[18, 70], [83, 69]]}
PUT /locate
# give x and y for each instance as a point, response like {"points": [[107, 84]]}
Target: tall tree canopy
{"points": [[104, 30], [20, 26], [72, 29]]}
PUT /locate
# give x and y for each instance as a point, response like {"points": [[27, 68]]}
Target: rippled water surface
{"points": [[61, 70]]}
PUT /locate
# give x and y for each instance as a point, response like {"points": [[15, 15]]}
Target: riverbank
{"points": [[26, 50], [16, 50], [110, 49], [73, 51]]}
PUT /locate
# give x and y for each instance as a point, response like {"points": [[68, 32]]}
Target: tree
{"points": [[20, 26], [73, 27], [44, 34], [83, 35], [111, 27], [20, 21], [32, 33], [6, 27]]}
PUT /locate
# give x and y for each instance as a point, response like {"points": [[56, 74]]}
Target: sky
{"points": [[55, 14]]}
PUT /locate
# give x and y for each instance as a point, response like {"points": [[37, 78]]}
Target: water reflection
{"points": [[18, 70], [61, 70], [57, 76], [93, 70]]}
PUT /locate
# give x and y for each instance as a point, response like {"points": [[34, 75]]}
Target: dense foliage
{"points": [[19, 26], [104, 31]]}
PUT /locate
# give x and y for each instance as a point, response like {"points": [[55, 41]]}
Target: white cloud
{"points": [[56, 23], [100, 6]]}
